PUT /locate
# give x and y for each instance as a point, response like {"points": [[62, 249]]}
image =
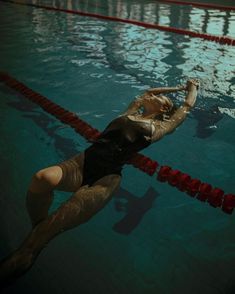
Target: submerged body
{"points": [[95, 174]]}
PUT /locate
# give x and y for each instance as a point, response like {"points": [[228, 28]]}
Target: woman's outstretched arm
{"points": [[168, 126], [143, 99], [165, 90]]}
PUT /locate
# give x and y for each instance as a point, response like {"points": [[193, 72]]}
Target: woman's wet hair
{"points": [[167, 105], [164, 105], [166, 102]]}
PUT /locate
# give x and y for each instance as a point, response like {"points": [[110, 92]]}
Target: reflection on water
{"points": [[149, 56], [138, 57], [203, 20]]}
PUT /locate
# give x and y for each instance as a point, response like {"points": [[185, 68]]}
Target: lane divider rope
{"points": [[170, 2], [197, 4], [213, 38], [182, 181]]}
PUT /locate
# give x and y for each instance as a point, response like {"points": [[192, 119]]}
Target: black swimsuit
{"points": [[115, 146]]}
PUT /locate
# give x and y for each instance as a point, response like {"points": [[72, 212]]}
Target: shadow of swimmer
{"points": [[134, 207]]}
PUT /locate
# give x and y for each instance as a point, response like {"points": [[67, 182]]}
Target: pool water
{"points": [[150, 238]]}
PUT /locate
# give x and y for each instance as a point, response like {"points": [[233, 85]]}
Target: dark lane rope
{"points": [[212, 38], [197, 4], [182, 181]]}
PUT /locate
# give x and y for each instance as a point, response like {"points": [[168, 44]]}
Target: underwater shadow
{"points": [[206, 121], [65, 147], [134, 207]]}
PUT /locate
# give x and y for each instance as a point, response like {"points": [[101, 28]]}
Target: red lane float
{"points": [[182, 181], [228, 203], [200, 5], [195, 188], [212, 38]]}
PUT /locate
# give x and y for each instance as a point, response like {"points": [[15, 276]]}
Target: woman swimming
{"points": [[95, 174]]}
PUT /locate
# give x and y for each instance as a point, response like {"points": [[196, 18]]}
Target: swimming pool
{"points": [[151, 238]]}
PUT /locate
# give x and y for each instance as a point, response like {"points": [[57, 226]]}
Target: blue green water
{"points": [[150, 238]]}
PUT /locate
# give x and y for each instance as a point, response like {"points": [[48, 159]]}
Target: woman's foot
{"points": [[15, 265]]}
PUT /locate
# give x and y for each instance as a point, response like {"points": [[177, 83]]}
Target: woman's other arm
{"points": [[168, 126]]}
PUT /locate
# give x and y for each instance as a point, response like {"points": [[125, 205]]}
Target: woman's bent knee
{"points": [[46, 179]]}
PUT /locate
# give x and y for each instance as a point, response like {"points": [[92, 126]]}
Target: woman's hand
{"points": [[193, 84], [182, 87]]}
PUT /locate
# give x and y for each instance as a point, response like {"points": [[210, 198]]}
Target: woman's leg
{"points": [[84, 204], [66, 176]]}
